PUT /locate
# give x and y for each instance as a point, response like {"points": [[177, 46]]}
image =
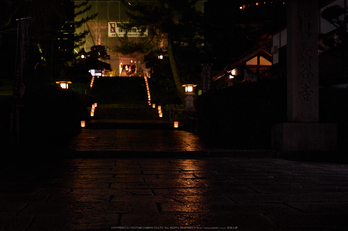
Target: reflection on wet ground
{"points": [[136, 140], [97, 194]]}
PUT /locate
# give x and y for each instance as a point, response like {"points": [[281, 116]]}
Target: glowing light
{"points": [[160, 57], [92, 82], [93, 109], [63, 84], [176, 124], [189, 88], [147, 90], [83, 123], [153, 105]]}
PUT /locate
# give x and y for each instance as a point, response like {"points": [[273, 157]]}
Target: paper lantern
{"points": [[176, 124], [83, 123]]}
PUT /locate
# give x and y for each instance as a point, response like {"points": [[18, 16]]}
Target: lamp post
{"points": [[189, 93]]}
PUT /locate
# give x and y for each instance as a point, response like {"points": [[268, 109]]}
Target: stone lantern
{"points": [[189, 93]]}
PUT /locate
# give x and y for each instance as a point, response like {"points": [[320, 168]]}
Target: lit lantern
{"points": [[160, 57], [153, 105], [83, 123], [189, 88], [92, 81], [176, 124], [160, 114], [159, 107], [189, 93], [233, 72], [63, 84]]}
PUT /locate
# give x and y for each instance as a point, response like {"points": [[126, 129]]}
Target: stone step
{"points": [[120, 90], [126, 113]]}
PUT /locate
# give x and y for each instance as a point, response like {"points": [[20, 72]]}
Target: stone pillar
{"points": [[303, 132], [206, 77], [189, 107], [302, 60]]}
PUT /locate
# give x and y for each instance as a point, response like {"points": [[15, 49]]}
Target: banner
{"points": [[112, 29]]}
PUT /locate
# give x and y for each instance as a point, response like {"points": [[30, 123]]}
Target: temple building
{"points": [[105, 30]]}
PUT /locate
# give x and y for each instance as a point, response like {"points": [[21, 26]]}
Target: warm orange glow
{"points": [[153, 105], [176, 124], [159, 107], [233, 72], [189, 88], [83, 123], [92, 113], [64, 84], [161, 115], [147, 90], [92, 81]]}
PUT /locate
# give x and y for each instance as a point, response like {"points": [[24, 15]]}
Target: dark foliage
{"points": [[241, 116], [51, 116]]}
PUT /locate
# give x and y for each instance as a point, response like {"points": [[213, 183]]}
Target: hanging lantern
{"points": [[176, 124], [153, 105], [83, 123]]}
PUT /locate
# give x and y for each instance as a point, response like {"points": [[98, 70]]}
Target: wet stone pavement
{"points": [[172, 194]]}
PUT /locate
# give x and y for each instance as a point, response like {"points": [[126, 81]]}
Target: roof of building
{"points": [[267, 54]]}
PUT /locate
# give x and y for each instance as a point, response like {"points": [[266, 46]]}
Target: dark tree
{"points": [[174, 28]]}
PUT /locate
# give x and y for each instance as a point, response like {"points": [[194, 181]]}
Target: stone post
{"points": [[303, 132], [206, 77], [189, 107]]}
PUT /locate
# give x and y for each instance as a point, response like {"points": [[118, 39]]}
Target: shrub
{"points": [[51, 116]]}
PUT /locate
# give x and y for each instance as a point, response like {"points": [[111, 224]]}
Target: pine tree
{"points": [[174, 27], [53, 33]]}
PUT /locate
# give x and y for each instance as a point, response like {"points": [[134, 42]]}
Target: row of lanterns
{"points": [[94, 106], [160, 113], [148, 91], [92, 82]]}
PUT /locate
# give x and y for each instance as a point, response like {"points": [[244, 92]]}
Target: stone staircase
{"points": [[122, 104], [120, 90]]}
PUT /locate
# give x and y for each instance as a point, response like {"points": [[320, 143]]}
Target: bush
{"points": [[241, 116], [51, 116]]}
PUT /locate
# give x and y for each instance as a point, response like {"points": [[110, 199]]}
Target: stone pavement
{"points": [[138, 178], [172, 194]]}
